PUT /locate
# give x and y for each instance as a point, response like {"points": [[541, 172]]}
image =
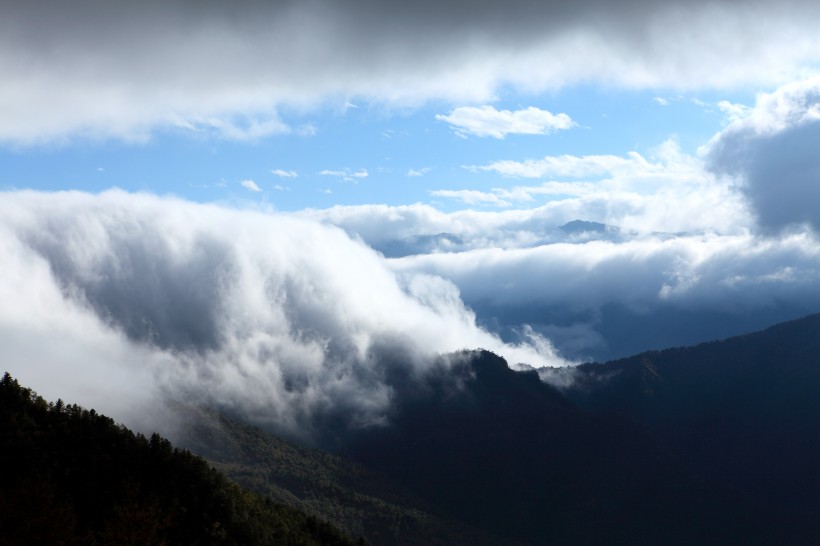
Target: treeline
{"points": [[72, 476]]}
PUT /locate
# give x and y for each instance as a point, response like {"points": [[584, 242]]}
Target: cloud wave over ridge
{"points": [[284, 319]]}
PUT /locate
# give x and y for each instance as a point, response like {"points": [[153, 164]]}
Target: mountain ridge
{"points": [[729, 406], [604, 460], [73, 476], [711, 444]]}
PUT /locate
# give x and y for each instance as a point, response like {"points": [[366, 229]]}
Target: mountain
{"points": [[711, 444], [576, 227], [72, 476], [502, 450], [744, 411]]}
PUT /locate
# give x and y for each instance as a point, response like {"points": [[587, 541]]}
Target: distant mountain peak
{"points": [[584, 226]]}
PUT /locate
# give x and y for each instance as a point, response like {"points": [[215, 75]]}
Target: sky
{"points": [[255, 204]]}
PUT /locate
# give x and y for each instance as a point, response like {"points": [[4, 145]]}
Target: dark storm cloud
{"points": [[122, 69]]}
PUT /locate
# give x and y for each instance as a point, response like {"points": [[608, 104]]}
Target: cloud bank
{"points": [[599, 299], [669, 192], [597, 291], [283, 319], [123, 70], [679, 249]]}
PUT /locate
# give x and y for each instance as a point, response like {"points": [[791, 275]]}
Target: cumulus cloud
{"points": [[284, 319], [772, 152], [733, 111], [669, 191], [250, 185], [486, 121], [123, 70], [684, 199]]}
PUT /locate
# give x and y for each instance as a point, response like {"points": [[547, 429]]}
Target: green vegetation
{"points": [[72, 476], [361, 502]]}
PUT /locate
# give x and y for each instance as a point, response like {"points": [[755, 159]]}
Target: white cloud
{"points": [[280, 317], [771, 151], [471, 197], [486, 121], [587, 293], [250, 185], [732, 111], [101, 70], [668, 191], [418, 172], [586, 296], [279, 187], [347, 175], [680, 202], [285, 174], [571, 166]]}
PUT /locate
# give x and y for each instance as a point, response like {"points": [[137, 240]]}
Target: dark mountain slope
{"points": [[71, 476], [361, 502], [744, 411], [501, 450]]}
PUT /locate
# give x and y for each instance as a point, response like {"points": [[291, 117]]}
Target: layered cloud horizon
{"points": [[272, 207]]}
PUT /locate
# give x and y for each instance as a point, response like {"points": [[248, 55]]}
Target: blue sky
{"points": [[406, 153], [270, 194]]}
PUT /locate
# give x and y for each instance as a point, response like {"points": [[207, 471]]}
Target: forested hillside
{"points": [[713, 444], [72, 476], [358, 500]]}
